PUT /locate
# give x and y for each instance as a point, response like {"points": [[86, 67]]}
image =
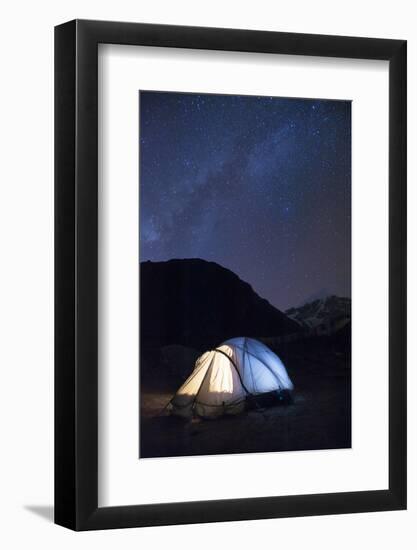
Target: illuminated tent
{"points": [[225, 377]]}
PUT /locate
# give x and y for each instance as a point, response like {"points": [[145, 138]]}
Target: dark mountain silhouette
{"points": [[197, 303]]}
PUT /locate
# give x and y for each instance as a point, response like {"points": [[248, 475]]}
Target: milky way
{"points": [[260, 185]]}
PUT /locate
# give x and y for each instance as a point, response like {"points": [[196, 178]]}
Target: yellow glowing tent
{"points": [[223, 378]]}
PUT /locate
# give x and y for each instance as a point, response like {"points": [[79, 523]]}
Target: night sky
{"points": [[260, 185]]}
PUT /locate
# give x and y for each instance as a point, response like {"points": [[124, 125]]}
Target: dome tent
{"points": [[225, 377]]}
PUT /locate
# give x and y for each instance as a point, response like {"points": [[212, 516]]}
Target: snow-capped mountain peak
{"points": [[324, 315]]}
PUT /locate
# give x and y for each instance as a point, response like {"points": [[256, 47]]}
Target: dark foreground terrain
{"points": [[318, 418]]}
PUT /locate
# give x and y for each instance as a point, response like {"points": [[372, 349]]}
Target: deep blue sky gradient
{"points": [[261, 185]]}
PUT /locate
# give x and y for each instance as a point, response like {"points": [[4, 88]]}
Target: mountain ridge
{"points": [[192, 301], [322, 315]]}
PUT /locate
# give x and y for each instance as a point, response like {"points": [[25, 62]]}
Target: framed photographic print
{"points": [[230, 275]]}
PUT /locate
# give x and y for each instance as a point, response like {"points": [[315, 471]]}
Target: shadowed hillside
{"points": [[197, 303]]}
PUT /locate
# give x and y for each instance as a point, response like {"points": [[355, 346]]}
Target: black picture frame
{"points": [[76, 271]]}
